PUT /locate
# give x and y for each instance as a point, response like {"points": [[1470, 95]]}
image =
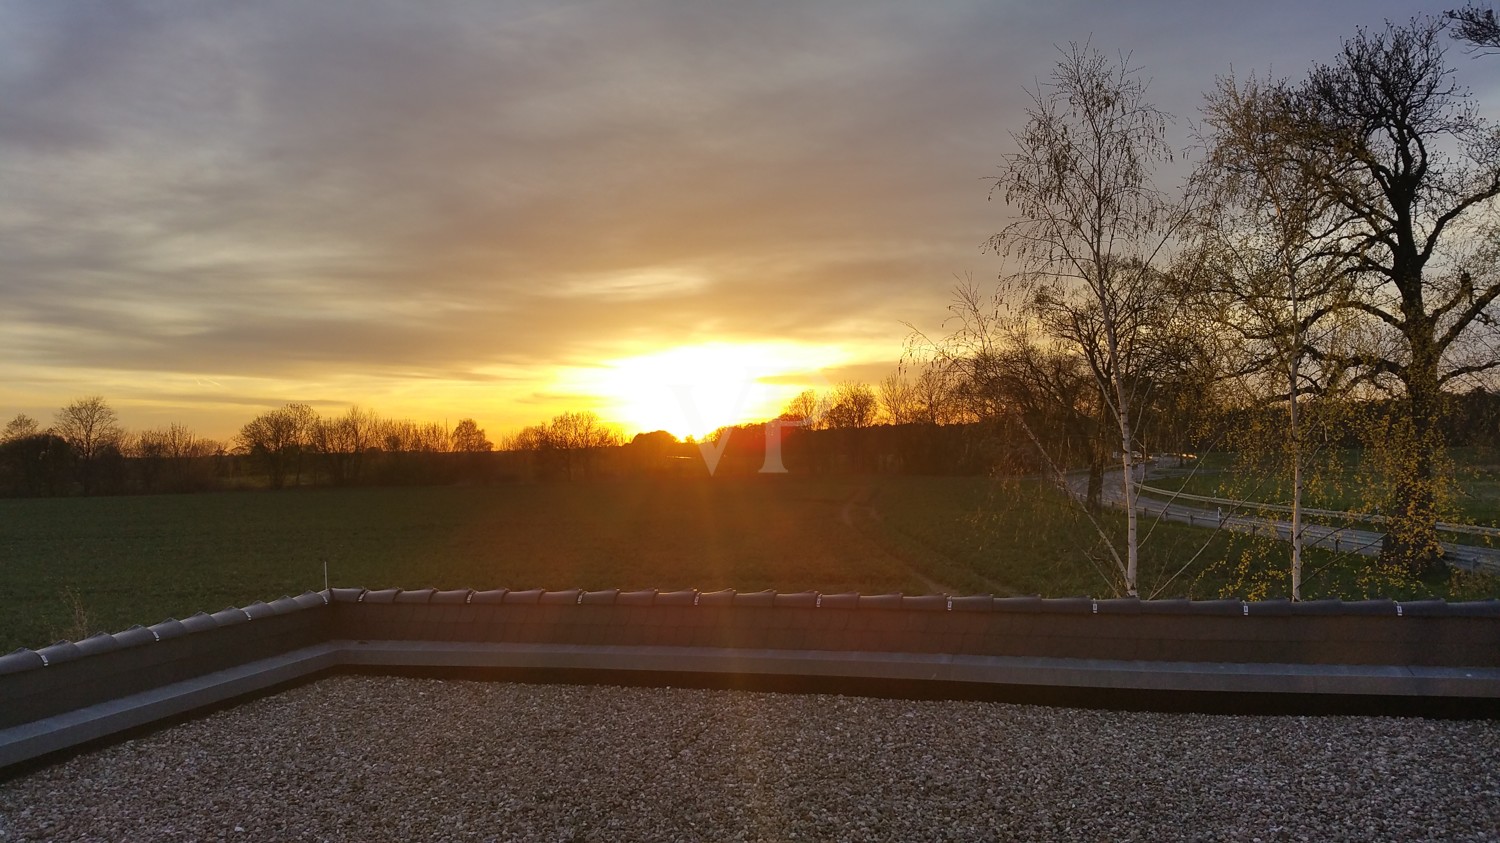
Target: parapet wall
{"points": [[1377, 648], [72, 675], [65, 676], [1329, 632]]}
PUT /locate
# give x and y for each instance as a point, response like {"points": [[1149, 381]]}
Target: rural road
{"points": [[1338, 539]]}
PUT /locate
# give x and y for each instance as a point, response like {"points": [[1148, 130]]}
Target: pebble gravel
{"points": [[385, 758]]}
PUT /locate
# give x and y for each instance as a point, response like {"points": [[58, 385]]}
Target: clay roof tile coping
{"points": [[972, 603], [798, 599], [199, 621], [285, 605], [256, 611], [135, 636], [169, 628], [1068, 605], [229, 616], [1025, 603], [19, 660], [62, 651]]}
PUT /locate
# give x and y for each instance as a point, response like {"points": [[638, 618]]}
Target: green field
{"points": [[1476, 476], [141, 559]]}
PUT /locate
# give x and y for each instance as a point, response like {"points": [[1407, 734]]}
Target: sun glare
{"points": [[694, 390]]}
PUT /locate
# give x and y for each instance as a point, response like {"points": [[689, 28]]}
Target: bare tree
{"points": [[1005, 363], [532, 438], [1476, 25], [899, 402], [572, 439], [926, 399], [187, 454], [278, 439], [807, 408], [853, 405], [1260, 263], [19, 427], [90, 427], [302, 422], [407, 436], [1387, 135], [468, 437], [343, 441], [149, 449], [933, 393], [1091, 225]]}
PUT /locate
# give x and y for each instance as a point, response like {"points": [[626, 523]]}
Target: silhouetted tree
{"points": [[19, 428], [1476, 25], [148, 451], [276, 441], [852, 405], [933, 393], [898, 400], [807, 408], [468, 437], [92, 430], [38, 465], [569, 442], [1006, 369], [654, 452], [1386, 134], [342, 442]]}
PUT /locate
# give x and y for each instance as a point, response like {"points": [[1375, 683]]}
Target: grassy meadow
{"points": [[1339, 484], [74, 566]]}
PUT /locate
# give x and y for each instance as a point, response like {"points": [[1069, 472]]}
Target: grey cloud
{"points": [[280, 188]]}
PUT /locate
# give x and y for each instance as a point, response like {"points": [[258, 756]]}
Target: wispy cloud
{"points": [[347, 200]]}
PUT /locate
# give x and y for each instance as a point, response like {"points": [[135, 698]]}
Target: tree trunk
{"points": [[1296, 446], [1127, 462], [1412, 540], [1093, 499]]}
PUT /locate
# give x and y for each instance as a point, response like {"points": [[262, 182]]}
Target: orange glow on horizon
{"points": [[694, 390]]}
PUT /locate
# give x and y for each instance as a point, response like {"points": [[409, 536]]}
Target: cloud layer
{"points": [[209, 207]]}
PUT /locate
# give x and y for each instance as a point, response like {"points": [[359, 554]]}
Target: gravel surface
{"points": [[377, 758]]}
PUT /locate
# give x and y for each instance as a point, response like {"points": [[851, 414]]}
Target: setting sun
{"points": [[693, 390]]}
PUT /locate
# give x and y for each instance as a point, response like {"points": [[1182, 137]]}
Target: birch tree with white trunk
{"points": [[1265, 263], [1091, 226]]}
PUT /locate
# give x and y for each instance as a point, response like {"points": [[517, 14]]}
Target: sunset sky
{"points": [[505, 210]]}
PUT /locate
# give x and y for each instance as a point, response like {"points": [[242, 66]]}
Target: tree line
{"points": [[1327, 272], [851, 427], [86, 451]]}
